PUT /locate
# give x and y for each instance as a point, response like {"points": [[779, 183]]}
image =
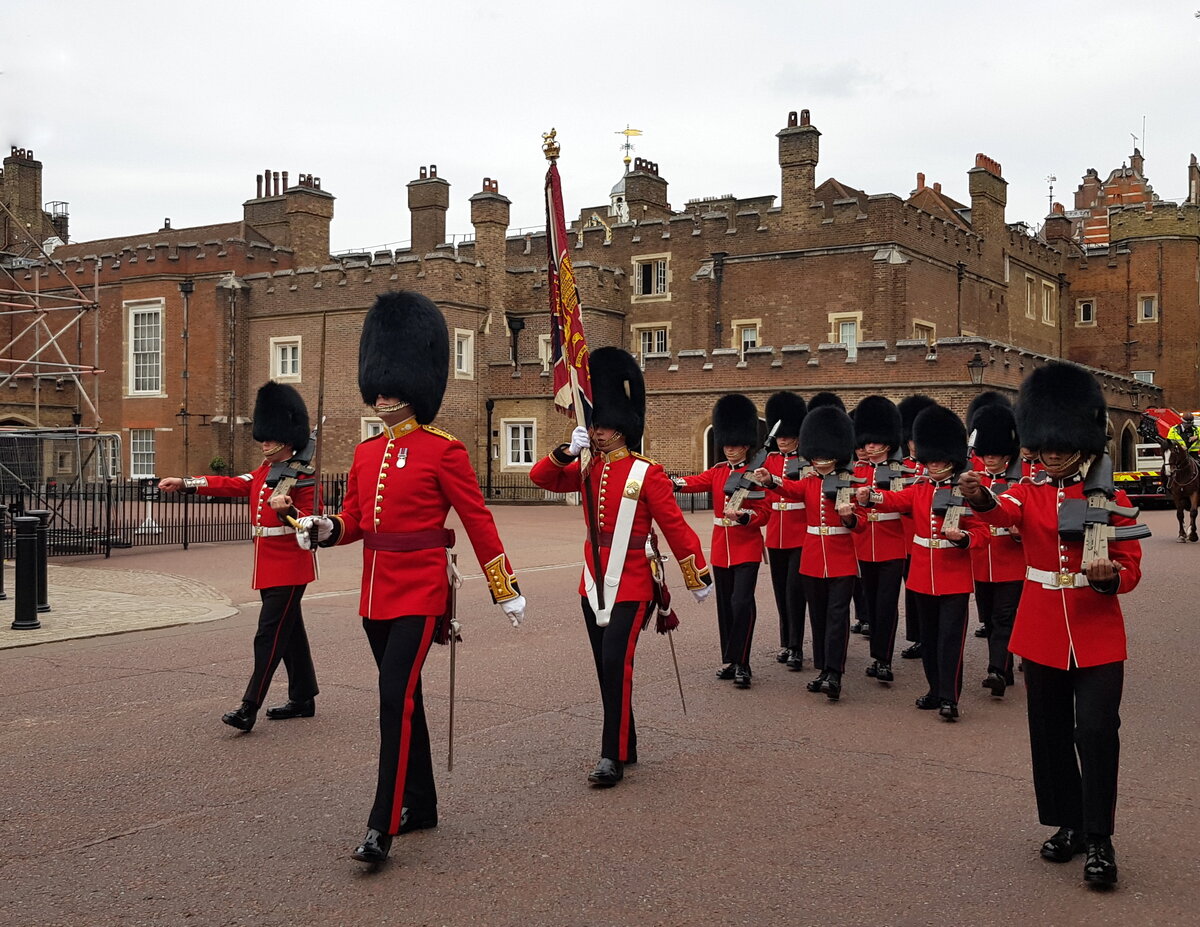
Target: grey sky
{"points": [[141, 110]]}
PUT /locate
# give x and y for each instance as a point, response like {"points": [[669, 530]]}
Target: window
{"points": [[145, 347], [1148, 307], [1145, 376], [1048, 294], [141, 452], [1085, 312], [370, 427], [285, 359], [519, 443], [1030, 297], [925, 331], [545, 352], [64, 461], [464, 354], [846, 328], [652, 341], [651, 277], [747, 337]]}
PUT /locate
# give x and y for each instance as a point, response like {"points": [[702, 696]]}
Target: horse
{"points": [[1184, 484]]}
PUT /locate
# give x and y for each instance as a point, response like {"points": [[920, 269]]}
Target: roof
{"points": [[932, 201]]}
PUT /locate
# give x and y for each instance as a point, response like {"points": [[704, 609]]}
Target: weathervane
{"points": [[628, 146]]}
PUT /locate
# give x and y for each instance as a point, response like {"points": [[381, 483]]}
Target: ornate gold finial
{"points": [[550, 146]]}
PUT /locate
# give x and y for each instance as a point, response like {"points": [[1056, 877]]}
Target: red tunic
{"points": [[607, 482], [885, 536], [1054, 624], [938, 566], [278, 559], [788, 525], [1000, 558], [405, 481], [829, 549], [731, 543]]}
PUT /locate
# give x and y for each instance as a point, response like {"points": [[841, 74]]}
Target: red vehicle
{"points": [[1146, 484]]}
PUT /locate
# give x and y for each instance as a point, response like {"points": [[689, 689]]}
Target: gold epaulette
{"points": [[439, 432], [641, 456], [501, 583], [694, 578]]}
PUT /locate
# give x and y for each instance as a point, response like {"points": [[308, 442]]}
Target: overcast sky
{"points": [[142, 110]]}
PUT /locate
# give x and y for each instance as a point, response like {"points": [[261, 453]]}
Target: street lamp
{"points": [[516, 324], [975, 367], [186, 288]]}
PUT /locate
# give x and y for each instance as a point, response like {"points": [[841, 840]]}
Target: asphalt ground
{"points": [[127, 802]]}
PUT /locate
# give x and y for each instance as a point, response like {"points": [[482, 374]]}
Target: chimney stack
{"points": [[428, 200], [799, 151]]}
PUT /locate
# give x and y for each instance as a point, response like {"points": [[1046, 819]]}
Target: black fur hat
{"points": [[877, 421], [826, 399], [827, 434], [404, 351], [618, 394], [987, 398], [995, 430], [910, 407], [788, 409], [1061, 408], [280, 415], [939, 434], [735, 421]]}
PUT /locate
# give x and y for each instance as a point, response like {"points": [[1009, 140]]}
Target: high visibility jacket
{"points": [[1185, 437]]}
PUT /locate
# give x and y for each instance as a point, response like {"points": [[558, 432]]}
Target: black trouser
{"points": [[612, 649], [829, 611], [881, 582], [400, 646], [943, 635], [997, 604], [789, 595], [1074, 718], [736, 612], [862, 609], [281, 636], [912, 626]]}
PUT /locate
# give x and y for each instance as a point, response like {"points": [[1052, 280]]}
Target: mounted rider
{"points": [[1186, 435]]}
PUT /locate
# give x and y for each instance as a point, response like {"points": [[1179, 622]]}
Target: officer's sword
{"points": [[678, 679], [455, 629]]}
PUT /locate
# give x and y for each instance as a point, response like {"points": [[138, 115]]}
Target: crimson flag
{"points": [[572, 373]]}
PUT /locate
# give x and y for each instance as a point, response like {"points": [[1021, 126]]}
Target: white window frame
{"points": [[546, 352], [1141, 306], [660, 283], [1049, 301], [1080, 321], [369, 426], [507, 426], [653, 329], [836, 320], [464, 354], [1030, 298], [926, 331], [1143, 376], [133, 310], [138, 436], [279, 373], [747, 333]]}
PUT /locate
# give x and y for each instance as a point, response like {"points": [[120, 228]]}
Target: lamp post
{"points": [[975, 367], [186, 288], [516, 325]]}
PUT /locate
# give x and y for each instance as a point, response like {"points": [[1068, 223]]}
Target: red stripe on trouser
{"points": [[406, 714], [627, 682], [962, 645], [266, 679]]}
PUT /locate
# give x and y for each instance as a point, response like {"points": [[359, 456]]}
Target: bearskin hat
{"points": [[280, 415], [404, 351], [1061, 408], [788, 410], [986, 398], [618, 394], [877, 421], [995, 430], [827, 434], [939, 434], [826, 399], [735, 421], [910, 407]]}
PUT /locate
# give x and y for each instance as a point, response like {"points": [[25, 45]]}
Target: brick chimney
{"points": [[989, 196], [490, 216], [1057, 226], [428, 200], [1138, 163], [1193, 185], [21, 185], [309, 211], [799, 151], [646, 192]]}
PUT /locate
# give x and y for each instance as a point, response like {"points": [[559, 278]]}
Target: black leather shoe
{"points": [[817, 684], [982, 631], [913, 652], [928, 702], [242, 717], [996, 683], [832, 687], [866, 630], [1100, 867], [883, 672], [856, 628], [1063, 846], [606, 774], [795, 661], [784, 655], [741, 676], [304, 709], [726, 671], [948, 711], [411, 820], [873, 669], [374, 848]]}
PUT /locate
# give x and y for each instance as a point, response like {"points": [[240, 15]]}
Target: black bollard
{"points": [[3, 539], [25, 609], [42, 535]]}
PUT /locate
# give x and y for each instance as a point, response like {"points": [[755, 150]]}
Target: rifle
{"points": [[893, 474], [839, 486], [286, 474], [950, 504], [739, 487], [1088, 519], [795, 468]]}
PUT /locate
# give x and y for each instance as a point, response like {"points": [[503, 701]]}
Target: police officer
{"points": [[1185, 434]]}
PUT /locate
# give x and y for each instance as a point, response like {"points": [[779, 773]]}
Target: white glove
{"points": [[579, 440], [313, 527], [702, 593], [515, 610]]}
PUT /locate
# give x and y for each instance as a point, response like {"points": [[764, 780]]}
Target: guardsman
{"points": [[881, 547], [910, 407], [786, 529], [828, 565], [630, 493], [1069, 628], [281, 571], [999, 562], [940, 572], [737, 539], [982, 401], [399, 491]]}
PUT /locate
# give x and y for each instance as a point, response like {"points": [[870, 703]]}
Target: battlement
{"points": [[1154, 220]]}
